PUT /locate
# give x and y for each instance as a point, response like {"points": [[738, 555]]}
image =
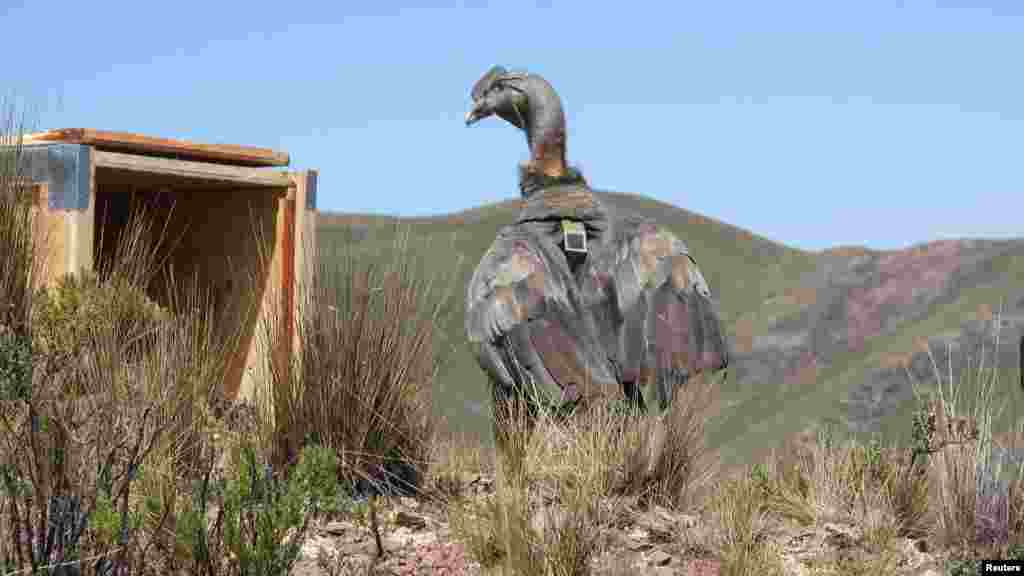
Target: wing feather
{"points": [[671, 326], [516, 321]]}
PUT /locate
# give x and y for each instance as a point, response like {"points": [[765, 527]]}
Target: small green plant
{"points": [[828, 435], [874, 454], [922, 433], [759, 476], [107, 522], [259, 518], [15, 365], [962, 567]]}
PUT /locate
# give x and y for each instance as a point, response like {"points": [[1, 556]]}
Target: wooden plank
{"points": [[166, 147], [195, 170], [39, 194], [286, 239]]}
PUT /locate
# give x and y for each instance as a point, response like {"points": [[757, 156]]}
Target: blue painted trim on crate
{"points": [[66, 170], [75, 186], [311, 178]]}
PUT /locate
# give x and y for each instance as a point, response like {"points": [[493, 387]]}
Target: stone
{"points": [[410, 520], [840, 536], [659, 523], [688, 521], [659, 558], [335, 528], [702, 567]]}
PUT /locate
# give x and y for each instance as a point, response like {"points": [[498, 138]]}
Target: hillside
{"points": [[836, 335]]}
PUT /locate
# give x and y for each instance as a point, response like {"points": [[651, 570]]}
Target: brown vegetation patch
{"points": [[800, 296], [743, 336], [901, 275], [889, 360], [802, 371], [983, 313]]}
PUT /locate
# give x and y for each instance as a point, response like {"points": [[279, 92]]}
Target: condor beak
{"points": [[478, 111]]}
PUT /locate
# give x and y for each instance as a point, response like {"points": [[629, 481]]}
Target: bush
{"points": [[97, 476], [69, 474], [249, 520], [102, 397], [67, 314], [15, 365], [71, 457], [973, 483]]}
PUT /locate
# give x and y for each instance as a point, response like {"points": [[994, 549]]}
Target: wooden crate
{"points": [[212, 199]]}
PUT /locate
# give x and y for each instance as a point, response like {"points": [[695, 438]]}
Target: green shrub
{"points": [[66, 314], [760, 478], [249, 520], [15, 365]]}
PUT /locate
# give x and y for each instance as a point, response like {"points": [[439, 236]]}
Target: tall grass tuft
{"points": [[369, 350], [976, 481], [676, 468], [741, 524], [570, 478], [18, 241], [550, 509]]}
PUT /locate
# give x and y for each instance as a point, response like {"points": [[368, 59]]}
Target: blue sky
{"points": [[813, 123]]}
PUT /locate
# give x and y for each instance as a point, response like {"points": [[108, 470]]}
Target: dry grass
{"points": [[976, 494], [673, 465], [19, 244], [869, 502], [368, 357], [546, 515], [741, 530], [457, 462], [951, 489], [571, 479]]}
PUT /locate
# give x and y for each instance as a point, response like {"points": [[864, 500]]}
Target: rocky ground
{"points": [[418, 540]]}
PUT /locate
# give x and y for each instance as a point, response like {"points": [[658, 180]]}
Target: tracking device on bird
{"points": [[574, 236]]}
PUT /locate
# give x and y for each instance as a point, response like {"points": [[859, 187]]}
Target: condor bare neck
{"points": [[545, 128]]}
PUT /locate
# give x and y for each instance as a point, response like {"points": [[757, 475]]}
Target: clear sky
{"points": [[874, 123]]}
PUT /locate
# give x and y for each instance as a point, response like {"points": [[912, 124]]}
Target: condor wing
{"points": [[671, 327], [523, 328]]}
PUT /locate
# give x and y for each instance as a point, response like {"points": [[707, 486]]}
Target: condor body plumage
{"points": [[631, 315]]}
